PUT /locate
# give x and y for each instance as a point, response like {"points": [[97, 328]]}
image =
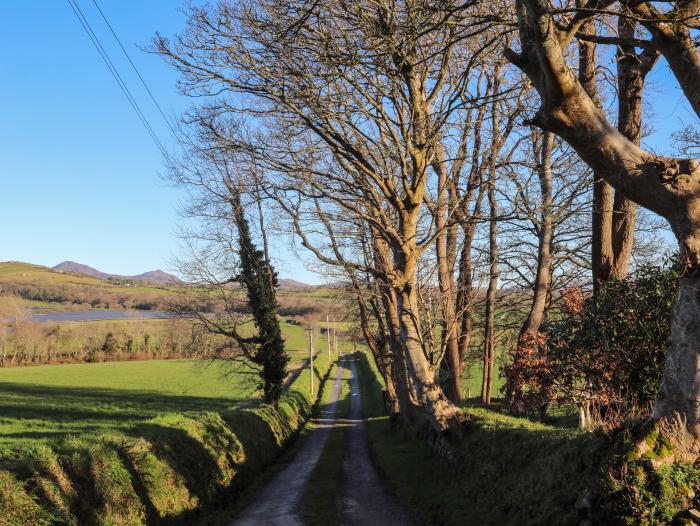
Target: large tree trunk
{"points": [[450, 367], [406, 396], [408, 402], [444, 414], [680, 385], [543, 278], [667, 186]]}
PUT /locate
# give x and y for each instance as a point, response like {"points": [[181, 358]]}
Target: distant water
{"points": [[100, 314]]}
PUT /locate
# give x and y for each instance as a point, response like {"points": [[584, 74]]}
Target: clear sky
{"points": [[79, 176]]}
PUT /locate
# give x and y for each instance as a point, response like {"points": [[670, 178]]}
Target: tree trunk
{"points": [[404, 391], [444, 414], [632, 69], [408, 402], [465, 292], [613, 215], [450, 366], [489, 327], [543, 278], [680, 385], [602, 255]]}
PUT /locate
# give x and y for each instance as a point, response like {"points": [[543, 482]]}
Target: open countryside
{"points": [[309, 263]]}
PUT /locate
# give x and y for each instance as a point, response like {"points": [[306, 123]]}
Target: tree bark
{"points": [[613, 215], [444, 414], [680, 392], [602, 254], [632, 69], [465, 291], [450, 367], [406, 397]]}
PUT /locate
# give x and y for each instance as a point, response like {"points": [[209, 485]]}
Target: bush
{"points": [[605, 353]]}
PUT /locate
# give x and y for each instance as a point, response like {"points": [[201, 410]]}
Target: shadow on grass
{"points": [[90, 409], [516, 471], [187, 456], [140, 455], [140, 484]]}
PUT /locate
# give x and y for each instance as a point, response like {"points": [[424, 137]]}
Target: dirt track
{"points": [[278, 502], [363, 499]]}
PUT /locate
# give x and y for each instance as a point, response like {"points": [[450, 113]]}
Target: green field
{"points": [[160, 442], [53, 402]]}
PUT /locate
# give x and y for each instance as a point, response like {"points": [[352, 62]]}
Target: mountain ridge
{"points": [[158, 277]]}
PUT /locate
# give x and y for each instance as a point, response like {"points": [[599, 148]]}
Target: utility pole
{"points": [[335, 339], [328, 336], [310, 330]]}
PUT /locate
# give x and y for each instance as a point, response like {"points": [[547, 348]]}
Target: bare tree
{"points": [[346, 106]]}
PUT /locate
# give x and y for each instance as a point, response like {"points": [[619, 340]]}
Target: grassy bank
{"points": [[516, 471], [144, 457]]}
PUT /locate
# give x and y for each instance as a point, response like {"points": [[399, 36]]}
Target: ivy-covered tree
{"points": [[259, 279]]}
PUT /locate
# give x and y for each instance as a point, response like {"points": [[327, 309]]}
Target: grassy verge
{"points": [[167, 469], [516, 472], [319, 502]]}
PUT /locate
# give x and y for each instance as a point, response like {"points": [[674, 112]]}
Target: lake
{"points": [[100, 314]]}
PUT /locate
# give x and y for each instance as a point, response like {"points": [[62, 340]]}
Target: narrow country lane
{"points": [[278, 502], [364, 500]]}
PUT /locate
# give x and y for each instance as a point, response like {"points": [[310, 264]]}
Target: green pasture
{"points": [[53, 402]]}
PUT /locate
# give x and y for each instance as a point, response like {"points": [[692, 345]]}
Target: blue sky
{"points": [[79, 176]]}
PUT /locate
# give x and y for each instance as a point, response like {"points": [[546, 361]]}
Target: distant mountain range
{"points": [[157, 277]]}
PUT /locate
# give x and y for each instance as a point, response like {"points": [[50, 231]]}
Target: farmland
{"points": [[144, 441], [50, 403], [28, 291]]}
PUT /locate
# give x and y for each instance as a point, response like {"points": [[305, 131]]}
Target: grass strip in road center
{"points": [[319, 502]]}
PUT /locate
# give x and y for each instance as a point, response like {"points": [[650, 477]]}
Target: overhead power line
{"points": [[115, 73], [128, 57]]}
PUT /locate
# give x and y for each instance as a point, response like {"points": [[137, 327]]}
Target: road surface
{"points": [[363, 499]]}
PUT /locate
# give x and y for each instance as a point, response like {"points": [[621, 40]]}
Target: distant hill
{"points": [[292, 284], [79, 268], [157, 277]]}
